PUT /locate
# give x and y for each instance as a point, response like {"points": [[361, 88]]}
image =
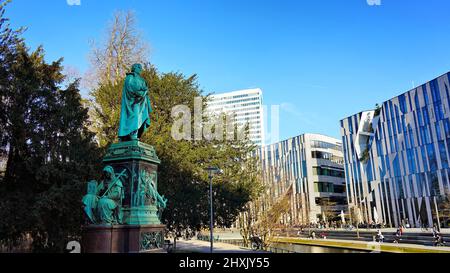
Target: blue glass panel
{"points": [[350, 125], [446, 128], [438, 131], [402, 102], [419, 117], [416, 100], [409, 101], [411, 139], [424, 158], [419, 184], [432, 157], [411, 161], [439, 112], [396, 166], [426, 116], [435, 91], [425, 94], [443, 154], [434, 184]]}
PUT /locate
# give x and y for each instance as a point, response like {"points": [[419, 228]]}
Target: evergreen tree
{"points": [[50, 152]]}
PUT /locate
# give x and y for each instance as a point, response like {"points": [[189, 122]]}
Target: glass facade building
{"points": [[247, 107], [397, 158], [310, 169]]}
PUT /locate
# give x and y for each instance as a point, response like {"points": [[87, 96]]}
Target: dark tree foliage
{"points": [[50, 151]]}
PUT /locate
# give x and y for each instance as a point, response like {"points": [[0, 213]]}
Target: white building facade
{"points": [[397, 158], [310, 169], [247, 108]]}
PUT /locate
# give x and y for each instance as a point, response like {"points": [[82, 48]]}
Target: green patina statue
{"points": [[130, 196], [110, 204], [136, 107], [103, 202], [147, 191]]}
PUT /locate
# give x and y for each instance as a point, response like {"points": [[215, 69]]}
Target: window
{"points": [[416, 100], [435, 91], [432, 157], [439, 112], [411, 160], [325, 145], [447, 128], [434, 184], [323, 187], [426, 116], [328, 172], [438, 131], [330, 201], [425, 94], [424, 158], [443, 154], [402, 102]]}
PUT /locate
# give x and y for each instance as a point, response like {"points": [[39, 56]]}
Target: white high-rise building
{"points": [[248, 108]]}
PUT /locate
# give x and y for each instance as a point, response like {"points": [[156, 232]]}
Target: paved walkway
{"points": [[196, 246]]}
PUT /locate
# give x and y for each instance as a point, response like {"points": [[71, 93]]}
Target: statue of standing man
{"points": [[136, 108]]}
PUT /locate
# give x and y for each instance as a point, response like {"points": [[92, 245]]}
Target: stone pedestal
{"points": [[136, 158], [140, 229], [122, 239]]}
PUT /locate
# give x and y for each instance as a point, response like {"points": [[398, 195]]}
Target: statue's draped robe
{"points": [[136, 107], [90, 200], [108, 206]]}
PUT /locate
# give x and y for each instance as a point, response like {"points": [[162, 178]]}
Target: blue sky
{"points": [[320, 60]]}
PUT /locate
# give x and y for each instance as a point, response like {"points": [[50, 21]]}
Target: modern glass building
{"points": [[310, 168], [397, 158], [247, 107]]}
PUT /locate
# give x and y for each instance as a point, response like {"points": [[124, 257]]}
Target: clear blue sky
{"points": [[321, 60]]}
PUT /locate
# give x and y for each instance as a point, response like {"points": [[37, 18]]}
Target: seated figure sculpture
{"points": [[110, 203], [103, 202], [90, 200]]}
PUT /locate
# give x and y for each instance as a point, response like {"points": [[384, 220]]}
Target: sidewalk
{"points": [[196, 246]]}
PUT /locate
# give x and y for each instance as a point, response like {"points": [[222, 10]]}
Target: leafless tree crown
{"points": [[122, 47]]}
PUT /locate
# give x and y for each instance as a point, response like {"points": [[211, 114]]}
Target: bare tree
{"points": [[355, 213], [246, 220], [122, 47], [329, 210], [269, 221]]}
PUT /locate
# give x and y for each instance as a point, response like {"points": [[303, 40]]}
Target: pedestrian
{"points": [[379, 237], [397, 236], [435, 231]]}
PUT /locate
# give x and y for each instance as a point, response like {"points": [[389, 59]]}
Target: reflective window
{"points": [[432, 157]]}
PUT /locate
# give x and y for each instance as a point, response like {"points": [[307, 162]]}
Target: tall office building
{"points": [[397, 157], [248, 108], [310, 169]]}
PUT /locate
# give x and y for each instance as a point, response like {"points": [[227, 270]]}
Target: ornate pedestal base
{"points": [[123, 239], [147, 215], [140, 230]]}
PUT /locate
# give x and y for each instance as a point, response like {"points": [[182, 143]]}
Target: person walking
{"points": [[397, 236], [379, 236]]}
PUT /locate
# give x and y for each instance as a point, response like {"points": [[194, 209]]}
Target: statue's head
{"points": [[108, 172], [136, 68]]}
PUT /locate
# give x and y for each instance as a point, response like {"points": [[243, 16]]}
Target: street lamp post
{"points": [[211, 172]]}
